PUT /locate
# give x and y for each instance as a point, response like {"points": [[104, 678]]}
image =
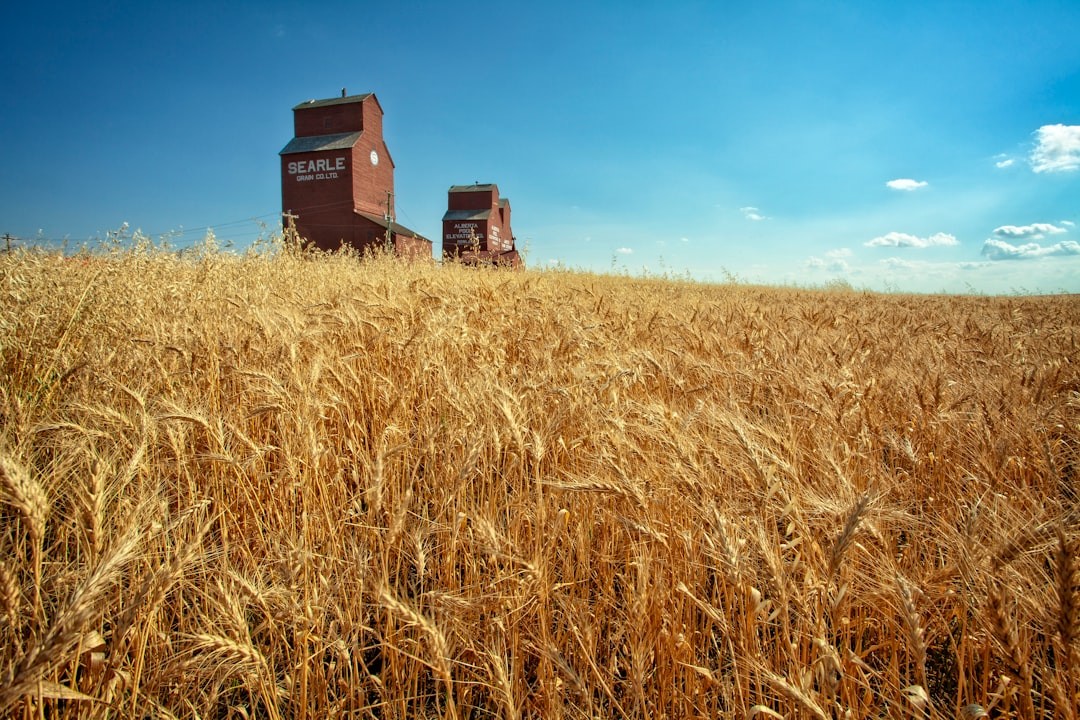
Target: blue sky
{"points": [[895, 146]]}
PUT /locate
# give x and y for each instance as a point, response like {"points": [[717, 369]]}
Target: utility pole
{"points": [[7, 242], [389, 219], [288, 232]]}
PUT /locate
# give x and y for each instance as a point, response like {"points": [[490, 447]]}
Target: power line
{"points": [[181, 233], [39, 240], [206, 228]]}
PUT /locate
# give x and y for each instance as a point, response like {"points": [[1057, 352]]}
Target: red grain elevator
{"points": [[337, 178], [476, 226]]}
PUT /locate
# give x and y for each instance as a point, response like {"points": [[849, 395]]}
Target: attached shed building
{"points": [[337, 178], [476, 226]]}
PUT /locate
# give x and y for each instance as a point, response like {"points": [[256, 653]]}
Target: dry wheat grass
{"points": [[281, 486]]}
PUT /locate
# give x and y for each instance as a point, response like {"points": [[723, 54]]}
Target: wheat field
{"points": [[273, 486]]}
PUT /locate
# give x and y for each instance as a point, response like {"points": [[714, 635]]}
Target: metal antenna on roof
{"points": [[342, 92]]}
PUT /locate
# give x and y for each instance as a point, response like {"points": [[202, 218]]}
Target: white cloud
{"points": [[906, 184], [895, 263], [1068, 223], [685, 239], [839, 253], [1057, 149], [898, 239], [1001, 250], [625, 251], [1004, 160], [834, 264], [1035, 231], [752, 213]]}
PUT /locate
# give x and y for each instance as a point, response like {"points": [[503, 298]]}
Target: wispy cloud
{"points": [[834, 264], [625, 251], [906, 184], [752, 213], [839, 253], [895, 263], [1000, 250], [1035, 231], [899, 239], [1005, 162], [1057, 149]]}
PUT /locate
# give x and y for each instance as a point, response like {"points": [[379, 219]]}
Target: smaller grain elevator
{"points": [[337, 178], [476, 226]]}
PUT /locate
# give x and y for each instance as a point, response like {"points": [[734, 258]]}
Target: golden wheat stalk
{"points": [[10, 594], [152, 591], [794, 693], [914, 627], [1004, 626], [26, 495], [1067, 587], [67, 628], [440, 650], [847, 535]]}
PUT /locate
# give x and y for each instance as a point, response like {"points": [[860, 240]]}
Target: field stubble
{"points": [[282, 487]]}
